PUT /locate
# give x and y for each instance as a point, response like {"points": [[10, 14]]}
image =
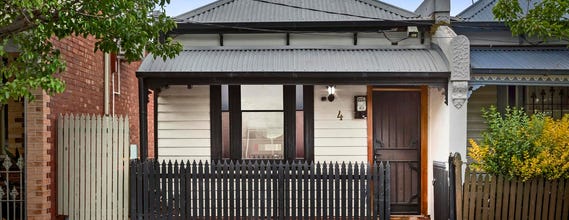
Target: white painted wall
{"points": [[335, 139], [184, 123], [198, 40], [437, 136], [372, 39], [254, 39]]}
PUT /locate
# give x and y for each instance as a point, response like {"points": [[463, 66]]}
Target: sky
{"points": [[178, 7]]}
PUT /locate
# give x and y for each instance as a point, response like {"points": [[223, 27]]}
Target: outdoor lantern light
{"points": [[331, 92]]}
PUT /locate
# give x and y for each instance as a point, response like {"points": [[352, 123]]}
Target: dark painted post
{"points": [[308, 99], [143, 118], [452, 188], [289, 100]]}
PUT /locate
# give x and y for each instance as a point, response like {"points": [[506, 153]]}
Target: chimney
{"points": [[438, 10]]}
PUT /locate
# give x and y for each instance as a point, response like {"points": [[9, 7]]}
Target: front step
{"points": [[409, 217]]}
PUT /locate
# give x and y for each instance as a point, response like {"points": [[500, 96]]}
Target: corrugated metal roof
{"points": [[519, 60], [482, 10], [235, 11], [299, 60]]}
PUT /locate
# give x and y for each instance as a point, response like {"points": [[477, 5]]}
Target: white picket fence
{"points": [[92, 167]]}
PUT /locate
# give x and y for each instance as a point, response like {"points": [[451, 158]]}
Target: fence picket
{"points": [[526, 193], [126, 158], [566, 201], [552, 199], [519, 198], [546, 192], [93, 169], [262, 190], [343, 190], [560, 192], [207, 190], [60, 167], [319, 198], [324, 190], [77, 170]]}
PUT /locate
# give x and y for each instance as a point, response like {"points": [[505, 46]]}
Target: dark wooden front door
{"points": [[397, 138]]}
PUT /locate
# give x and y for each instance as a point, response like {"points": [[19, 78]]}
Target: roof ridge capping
{"points": [[475, 9], [481, 10], [395, 9], [243, 11], [438, 10]]}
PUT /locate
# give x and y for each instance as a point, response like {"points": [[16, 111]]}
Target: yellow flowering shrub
{"points": [[552, 162], [516, 145]]}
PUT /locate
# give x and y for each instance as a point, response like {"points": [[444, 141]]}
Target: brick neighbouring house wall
{"points": [[84, 94], [38, 159]]}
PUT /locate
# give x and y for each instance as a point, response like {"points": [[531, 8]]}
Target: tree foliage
{"points": [[545, 19], [32, 25]]}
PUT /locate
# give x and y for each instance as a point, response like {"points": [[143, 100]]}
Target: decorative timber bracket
{"points": [[460, 70]]}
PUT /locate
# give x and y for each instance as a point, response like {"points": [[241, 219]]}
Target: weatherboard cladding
{"points": [[531, 59], [299, 60], [239, 11]]}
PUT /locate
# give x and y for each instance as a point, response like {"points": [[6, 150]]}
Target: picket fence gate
{"points": [[92, 167]]}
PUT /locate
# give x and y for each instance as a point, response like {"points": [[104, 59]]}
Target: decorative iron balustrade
{"points": [[12, 188], [553, 101]]}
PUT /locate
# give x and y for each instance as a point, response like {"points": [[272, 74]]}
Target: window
{"points": [[262, 122]]}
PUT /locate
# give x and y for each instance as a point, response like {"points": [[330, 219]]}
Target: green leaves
{"points": [[33, 24], [546, 19]]}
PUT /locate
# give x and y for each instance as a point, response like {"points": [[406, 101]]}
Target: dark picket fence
{"points": [[259, 189]]}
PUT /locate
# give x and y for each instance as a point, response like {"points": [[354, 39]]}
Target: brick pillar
{"points": [[38, 158]]}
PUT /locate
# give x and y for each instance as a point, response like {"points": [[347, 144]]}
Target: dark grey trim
{"points": [[154, 80], [155, 102], [143, 118], [520, 71], [289, 107], [215, 122], [279, 27], [235, 121], [308, 104]]}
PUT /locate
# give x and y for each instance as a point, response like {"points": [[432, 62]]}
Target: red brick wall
{"points": [[39, 180], [84, 94]]}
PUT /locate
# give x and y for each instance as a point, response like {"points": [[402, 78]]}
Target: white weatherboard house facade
{"points": [[318, 80]]}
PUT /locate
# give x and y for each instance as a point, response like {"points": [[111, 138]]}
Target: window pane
{"points": [[299, 97], [224, 98], [300, 135], [262, 97], [224, 135], [263, 135]]}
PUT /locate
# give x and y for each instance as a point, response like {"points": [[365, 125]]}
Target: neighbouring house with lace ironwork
{"points": [[509, 70]]}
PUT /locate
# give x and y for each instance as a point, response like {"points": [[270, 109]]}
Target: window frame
{"points": [[235, 122]]}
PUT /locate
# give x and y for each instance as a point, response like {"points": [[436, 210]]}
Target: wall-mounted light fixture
{"points": [[331, 92]]}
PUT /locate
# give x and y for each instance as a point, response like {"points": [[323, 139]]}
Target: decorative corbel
{"points": [[459, 93], [460, 70]]}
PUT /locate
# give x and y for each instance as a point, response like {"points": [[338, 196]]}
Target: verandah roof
{"points": [[295, 64], [520, 65]]}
